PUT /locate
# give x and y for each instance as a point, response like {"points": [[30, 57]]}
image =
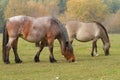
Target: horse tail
{"points": [[5, 41], [103, 27]]}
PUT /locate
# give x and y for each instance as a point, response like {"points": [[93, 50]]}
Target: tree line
{"points": [[104, 11]]}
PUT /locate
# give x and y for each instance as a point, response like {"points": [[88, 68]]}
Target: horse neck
{"points": [[62, 40], [103, 34], [63, 35], [62, 45]]}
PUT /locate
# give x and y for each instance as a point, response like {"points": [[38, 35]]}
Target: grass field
{"points": [[85, 67]]}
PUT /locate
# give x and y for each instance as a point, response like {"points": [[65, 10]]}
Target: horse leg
{"points": [[96, 48], [8, 47], [51, 56], [93, 47], [36, 58], [17, 59], [92, 52], [7, 54]]}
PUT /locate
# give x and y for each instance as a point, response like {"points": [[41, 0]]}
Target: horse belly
{"points": [[84, 37], [34, 37]]}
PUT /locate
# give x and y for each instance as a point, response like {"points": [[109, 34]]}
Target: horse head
{"points": [[68, 52], [106, 48]]}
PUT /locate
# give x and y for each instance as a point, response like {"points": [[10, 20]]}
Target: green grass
{"points": [[85, 68]]}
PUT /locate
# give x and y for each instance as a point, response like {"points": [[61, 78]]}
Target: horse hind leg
{"points": [[36, 58], [6, 60], [93, 47], [96, 49], [8, 47], [14, 47]]}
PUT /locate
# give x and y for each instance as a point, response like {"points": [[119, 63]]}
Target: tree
{"points": [[30, 7], [113, 23], [3, 4], [62, 5], [114, 5], [87, 10], [15, 7]]}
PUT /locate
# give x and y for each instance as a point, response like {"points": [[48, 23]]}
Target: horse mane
{"points": [[64, 35], [62, 28], [103, 27]]}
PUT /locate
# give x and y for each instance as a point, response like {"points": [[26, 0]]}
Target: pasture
{"points": [[85, 68]]}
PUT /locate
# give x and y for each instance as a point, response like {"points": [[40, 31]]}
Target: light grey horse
{"points": [[85, 32]]}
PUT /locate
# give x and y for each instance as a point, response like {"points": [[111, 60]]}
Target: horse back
{"points": [[32, 29], [82, 31]]}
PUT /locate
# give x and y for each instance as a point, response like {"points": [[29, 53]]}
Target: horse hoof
{"points": [[7, 62], [92, 55], [106, 54], [37, 60], [18, 61], [52, 60]]}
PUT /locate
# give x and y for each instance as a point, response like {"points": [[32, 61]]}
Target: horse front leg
{"points": [[50, 45], [51, 56], [17, 59]]}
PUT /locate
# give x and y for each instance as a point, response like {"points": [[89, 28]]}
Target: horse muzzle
{"points": [[70, 58]]}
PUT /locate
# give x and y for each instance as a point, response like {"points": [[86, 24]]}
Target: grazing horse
{"points": [[85, 32], [42, 31]]}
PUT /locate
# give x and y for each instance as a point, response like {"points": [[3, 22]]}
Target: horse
{"points": [[84, 32], [40, 30]]}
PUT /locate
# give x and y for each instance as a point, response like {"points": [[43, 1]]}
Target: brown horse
{"points": [[42, 31], [85, 32]]}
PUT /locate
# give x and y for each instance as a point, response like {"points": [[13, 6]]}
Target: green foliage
{"points": [[3, 4], [15, 7], [87, 10], [83, 10], [85, 68], [113, 23], [62, 5], [30, 8], [114, 5]]}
